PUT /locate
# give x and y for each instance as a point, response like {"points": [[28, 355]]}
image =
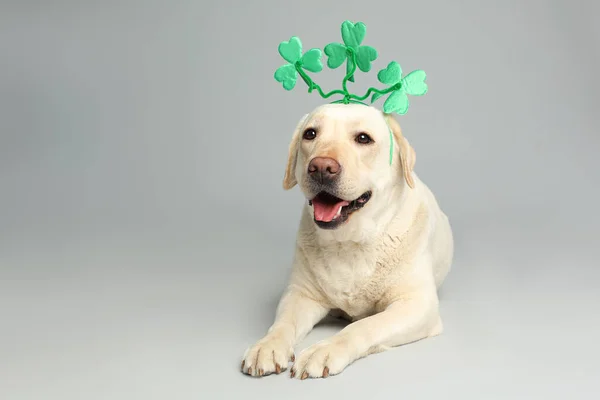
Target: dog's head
{"points": [[340, 158]]}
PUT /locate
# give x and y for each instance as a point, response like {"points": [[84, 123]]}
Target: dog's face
{"points": [[340, 158]]}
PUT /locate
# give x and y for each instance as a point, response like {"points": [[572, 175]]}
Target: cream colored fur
{"points": [[381, 269]]}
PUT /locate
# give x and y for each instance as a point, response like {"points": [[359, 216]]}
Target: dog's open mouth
{"points": [[331, 211]]}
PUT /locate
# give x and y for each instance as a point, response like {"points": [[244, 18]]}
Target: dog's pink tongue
{"points": [[325, 212]]}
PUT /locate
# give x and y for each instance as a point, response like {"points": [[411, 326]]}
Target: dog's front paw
{"points": [[269, 355], [322, 359]]}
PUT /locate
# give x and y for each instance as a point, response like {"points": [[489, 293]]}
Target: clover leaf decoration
{"points": [[412, 84], [352, 36], [357, 56], [291, 51]]}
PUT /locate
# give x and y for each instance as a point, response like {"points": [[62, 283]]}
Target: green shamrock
{"points": [[412, 84], [291, 51], [337, 53]]}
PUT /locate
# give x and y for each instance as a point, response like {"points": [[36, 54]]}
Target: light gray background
{"points": [[145, 237]]}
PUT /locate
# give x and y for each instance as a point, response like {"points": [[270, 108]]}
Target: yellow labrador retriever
{"points": [[373, 245]]}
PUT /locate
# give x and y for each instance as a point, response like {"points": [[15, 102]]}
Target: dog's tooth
{"points": [[339, 212]]}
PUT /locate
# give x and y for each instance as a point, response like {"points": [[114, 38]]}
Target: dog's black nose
{"points": [[324, 169]]}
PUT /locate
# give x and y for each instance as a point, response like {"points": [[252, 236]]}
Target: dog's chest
{"points": [[350, 276]]}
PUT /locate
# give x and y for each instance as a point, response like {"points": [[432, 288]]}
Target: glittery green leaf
{"points": [[414, 83], [311, 60], [287, 75], [397, 102], [353, 34], [364, 57], [336, 54], [390, 75], [291, 51]]}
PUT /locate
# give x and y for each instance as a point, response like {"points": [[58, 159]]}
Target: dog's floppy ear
{"points": [[289, 179], [408, 156]]}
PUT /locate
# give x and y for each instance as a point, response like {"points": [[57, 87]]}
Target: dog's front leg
{"points": [[411, 317], [296, 315]]}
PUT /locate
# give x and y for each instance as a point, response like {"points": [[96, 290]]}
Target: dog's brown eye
{"points": [[363, 138], [309, 134]]}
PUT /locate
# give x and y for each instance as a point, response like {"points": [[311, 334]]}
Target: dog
{"points": [[373, 245]]}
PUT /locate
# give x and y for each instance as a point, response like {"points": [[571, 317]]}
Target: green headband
{"points": [[356, 55]]}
